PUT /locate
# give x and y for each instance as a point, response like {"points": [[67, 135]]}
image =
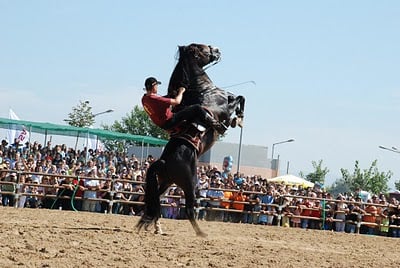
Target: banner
{"points": [[21, 135]]}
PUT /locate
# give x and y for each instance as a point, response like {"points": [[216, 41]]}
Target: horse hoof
{"points": [[201, 234], [234, 122], [240, 122]]}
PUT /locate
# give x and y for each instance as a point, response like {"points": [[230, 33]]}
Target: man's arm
{"points": [[178, 98]]}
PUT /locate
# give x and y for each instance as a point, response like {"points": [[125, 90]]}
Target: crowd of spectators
{"points": [[90, 179], [82, 175]]}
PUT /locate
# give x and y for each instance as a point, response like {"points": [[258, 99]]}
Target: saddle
{"points": [[192, 133]]}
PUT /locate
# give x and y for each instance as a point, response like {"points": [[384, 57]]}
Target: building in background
{"points": [[253, 158]]}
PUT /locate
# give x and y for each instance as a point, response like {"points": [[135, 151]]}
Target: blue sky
{"points": [[326, 72]]}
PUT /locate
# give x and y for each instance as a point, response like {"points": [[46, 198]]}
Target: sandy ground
{"points": [[52, 238]]}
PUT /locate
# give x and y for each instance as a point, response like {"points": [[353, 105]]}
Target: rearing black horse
{"points": [[178, 162]]}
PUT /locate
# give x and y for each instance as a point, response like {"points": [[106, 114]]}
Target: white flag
{"points": [[21, 135]]}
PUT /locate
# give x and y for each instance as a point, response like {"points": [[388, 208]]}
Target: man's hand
{"points": [[181, 90], [178, 98]]}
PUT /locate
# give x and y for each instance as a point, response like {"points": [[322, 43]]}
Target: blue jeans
{"points": [[202, 212], [396, 232], [350, 228], [304, 223], [7, 200]]}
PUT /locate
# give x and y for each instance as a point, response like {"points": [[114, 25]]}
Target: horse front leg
{"points": [[236, 104], [240, 110]]}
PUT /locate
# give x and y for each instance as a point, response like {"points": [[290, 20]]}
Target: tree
{"points": [[397, 185], [319, 174], [81, 115], [137, 122], [370, 180]]}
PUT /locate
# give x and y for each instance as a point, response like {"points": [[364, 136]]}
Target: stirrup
{"points": [[221, 128], [199, 127]]}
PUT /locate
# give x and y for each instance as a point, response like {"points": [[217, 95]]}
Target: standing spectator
{"points": [[340, 214], [8, 189], [215, 196], [65, 193], [22, 189], [172, 201], [79, 187], [369, 218], [202, 187], [92, 185], [352, 216], [33, 200], [182, 203], [255, 212], [296, 213], [105, 188], [394, 216], [118, 186], [126, 195], [227, 203], [268, 201], [138, 196], [238, 198], [315, 223], [286, 213], [306, 212], [384, 223]]}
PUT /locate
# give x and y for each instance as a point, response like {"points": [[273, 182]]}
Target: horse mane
{"points": [[181, 74], [178, 78]]}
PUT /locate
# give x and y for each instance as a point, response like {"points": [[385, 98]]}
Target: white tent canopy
{"points": [[292, 180]]}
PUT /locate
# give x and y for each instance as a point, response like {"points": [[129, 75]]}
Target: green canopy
{"points": [[67, 130]]}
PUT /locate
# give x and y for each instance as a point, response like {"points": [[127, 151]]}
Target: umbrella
{"points": [[292, 180]]}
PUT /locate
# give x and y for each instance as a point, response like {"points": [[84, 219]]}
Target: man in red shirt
{"points": [[159, 109]]}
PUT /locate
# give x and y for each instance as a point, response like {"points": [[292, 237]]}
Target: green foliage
{"points": [[340, 186], [397, 185], [370, 180], [319, 174], [81, 115]]}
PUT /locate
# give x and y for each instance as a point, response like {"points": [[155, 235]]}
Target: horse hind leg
{"points": [[189, 209], [152, 196]]}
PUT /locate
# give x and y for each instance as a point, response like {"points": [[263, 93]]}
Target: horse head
{"points": [[190, 72], [200, 54]]}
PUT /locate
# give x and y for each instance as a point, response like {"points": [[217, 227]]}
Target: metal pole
{"points": [[393, 149], [240, 149]]}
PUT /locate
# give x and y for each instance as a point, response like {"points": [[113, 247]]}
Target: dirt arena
{"points": [[52, 238]]}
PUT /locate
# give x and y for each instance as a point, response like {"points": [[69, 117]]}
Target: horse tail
{"points": [[152, 195]]}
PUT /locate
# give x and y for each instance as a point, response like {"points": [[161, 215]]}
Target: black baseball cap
{"points": [[150, 82]]}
